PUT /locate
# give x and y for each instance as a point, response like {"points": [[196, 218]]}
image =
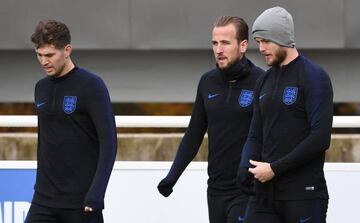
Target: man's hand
{"points": [[165, 188], [262, 171], [88, 209]]}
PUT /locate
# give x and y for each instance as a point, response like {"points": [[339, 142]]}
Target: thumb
{"points": [[251, 170], [254, 163]]}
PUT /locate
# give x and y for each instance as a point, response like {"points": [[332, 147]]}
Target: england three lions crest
{"points": [[290, 95], [69, 104], [246, 98]]}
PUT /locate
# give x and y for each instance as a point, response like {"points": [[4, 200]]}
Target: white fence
{"points": [[132, 195], [153, 121]]}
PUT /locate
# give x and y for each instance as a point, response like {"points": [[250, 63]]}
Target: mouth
{"points": [[266, 55], [47, 69], [220, 59]]}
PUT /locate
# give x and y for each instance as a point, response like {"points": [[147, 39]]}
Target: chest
{"points": [[61, 98], [228, 100], [282, 93]]}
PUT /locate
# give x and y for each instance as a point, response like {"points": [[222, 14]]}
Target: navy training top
{"points": [[77, 140], [291, 129], [223, 107]]}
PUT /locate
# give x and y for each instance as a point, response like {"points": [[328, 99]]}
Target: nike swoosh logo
{"points": [[38, 105], [304, 220], [210, 96], [241, 219], [261, 96]]}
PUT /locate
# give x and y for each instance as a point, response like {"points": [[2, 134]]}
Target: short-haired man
{"points": [[76, 134], [223, 107]]}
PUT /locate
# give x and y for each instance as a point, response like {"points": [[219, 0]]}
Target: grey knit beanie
{"points": [[275, 24]]}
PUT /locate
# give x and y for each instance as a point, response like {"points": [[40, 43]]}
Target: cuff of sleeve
{"points": [[276, 168]]}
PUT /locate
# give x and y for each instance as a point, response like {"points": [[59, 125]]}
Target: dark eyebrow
{"points": [[224, 41], [45, 54]]}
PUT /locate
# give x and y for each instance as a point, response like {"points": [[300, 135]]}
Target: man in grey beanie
{"points": [[290, 130]]}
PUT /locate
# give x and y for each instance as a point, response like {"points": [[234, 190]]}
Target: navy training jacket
{"points": [[291, 129], [76, 140], [223, 108]]}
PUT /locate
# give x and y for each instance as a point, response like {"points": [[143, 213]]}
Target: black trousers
{"points": [[39, 214], [298, 211], [227, 208]]}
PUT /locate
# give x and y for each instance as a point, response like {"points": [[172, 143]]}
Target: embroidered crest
{"points": [[290, 95], [245, 98], [69, 104]]}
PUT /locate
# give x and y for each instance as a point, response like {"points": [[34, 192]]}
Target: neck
{"points": [[236, 71], [292, 54], [69, 65]]}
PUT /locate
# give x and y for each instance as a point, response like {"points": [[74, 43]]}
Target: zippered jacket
{"points": [[76, 140], [291, 130], [223, 108]]}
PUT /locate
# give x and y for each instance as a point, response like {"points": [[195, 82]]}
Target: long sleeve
{"points": [[189, 145], [100, 110], [253, 145], [319, 110]]}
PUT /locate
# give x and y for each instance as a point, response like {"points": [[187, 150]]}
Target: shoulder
{"points": [[87, 75], [260, 80], [315, 77], [213, 73], [94, 84], [255, 70], [90, 78], [313, 71], [210, 76], [43, 82]]}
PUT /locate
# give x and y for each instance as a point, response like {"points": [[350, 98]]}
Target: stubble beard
{"points": [[279, 57]]}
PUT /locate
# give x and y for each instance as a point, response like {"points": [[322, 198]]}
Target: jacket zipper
{"points": [[229, 92], [53, 104], [276, 85]]}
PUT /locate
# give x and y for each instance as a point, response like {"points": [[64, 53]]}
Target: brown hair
{"points": [[242, 29], [51, 32]]}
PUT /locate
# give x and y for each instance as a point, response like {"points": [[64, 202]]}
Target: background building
{"points": [[156, 50]]}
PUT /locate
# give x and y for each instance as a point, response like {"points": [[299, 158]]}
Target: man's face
{"points": [[53, 60], [227, 49], [274, 54]]}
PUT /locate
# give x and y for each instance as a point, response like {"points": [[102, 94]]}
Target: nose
{"points": [[261, 47], [219, 49], [43, 60]]}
